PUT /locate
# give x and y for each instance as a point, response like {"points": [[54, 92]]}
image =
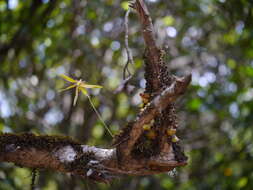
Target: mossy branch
{"points": [[137, 152], [68, 156], [151, 110]]}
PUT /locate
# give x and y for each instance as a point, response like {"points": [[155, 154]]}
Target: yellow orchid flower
{"points": [[81, 85]]}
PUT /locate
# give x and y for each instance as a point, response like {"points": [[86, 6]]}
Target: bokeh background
{"points": [[212, 39]]}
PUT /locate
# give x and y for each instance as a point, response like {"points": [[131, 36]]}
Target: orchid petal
{"points": [[90, 86], [69, 79], [69, 87], [76, 96], [84, 91]]}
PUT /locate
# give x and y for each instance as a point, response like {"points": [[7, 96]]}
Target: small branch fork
{"points": [[155, 107], [67, 156]]}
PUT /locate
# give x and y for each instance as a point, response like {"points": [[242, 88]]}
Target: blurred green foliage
{"points": [[213, 39]]}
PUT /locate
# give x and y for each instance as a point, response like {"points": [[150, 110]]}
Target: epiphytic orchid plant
{"points": [[81, 86]]}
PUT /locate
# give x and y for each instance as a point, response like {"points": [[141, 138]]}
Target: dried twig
{"points": [[128, 51]]}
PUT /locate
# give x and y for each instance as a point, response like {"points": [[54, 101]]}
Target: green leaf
{"points": [[249, 71], [242, 182], [125, 5], [231, 63], [194, 104], [1, 127], [168, 20], [98, 131]]}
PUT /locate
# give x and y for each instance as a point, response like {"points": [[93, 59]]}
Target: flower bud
{"points": [[146, 127], [171, 132], [175, 139]]}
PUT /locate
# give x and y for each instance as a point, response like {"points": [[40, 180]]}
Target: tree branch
{"points": [[152, 51], [56, 153], [138, 151], [65, 155], [147, 26], [155, 107]]}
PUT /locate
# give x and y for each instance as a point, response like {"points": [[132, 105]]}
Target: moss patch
{"points": [[123, 134], [145, 147], [40, 142]]}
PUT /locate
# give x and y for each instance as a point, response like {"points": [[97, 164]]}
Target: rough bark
{"points": [[135, 151]]}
